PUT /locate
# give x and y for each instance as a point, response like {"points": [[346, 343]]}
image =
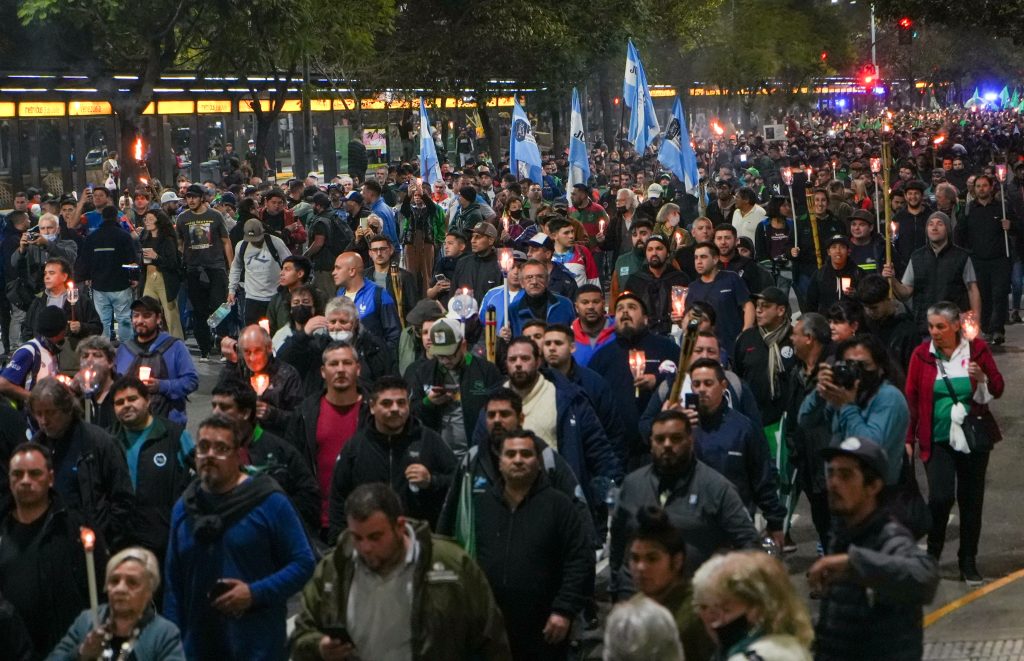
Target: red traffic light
{"points": [[824, 55], [905, 23]]}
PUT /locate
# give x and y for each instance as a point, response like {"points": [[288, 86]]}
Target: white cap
{"points": [[168, 197], [654, 190]]}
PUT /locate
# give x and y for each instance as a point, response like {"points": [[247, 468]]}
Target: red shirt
{"points": [[334, 427]]}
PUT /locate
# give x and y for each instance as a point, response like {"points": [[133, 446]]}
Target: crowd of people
{"points": [[440, 403]]}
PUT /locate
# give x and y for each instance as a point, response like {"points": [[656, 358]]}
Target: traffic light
{"points": [[906, 31], [868, 76]]}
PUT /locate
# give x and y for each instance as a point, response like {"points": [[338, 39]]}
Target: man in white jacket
{"points": [[256, 268]]}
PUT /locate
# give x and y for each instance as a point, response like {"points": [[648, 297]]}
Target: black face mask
{"points": [[517, 214], [870, 380], [732, 632], [621, 210], [302, 313]]}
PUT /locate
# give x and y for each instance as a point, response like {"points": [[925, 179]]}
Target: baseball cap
{"points": [[867, 452], [655, 190], [628, 295], [657, 237], [149, 304], [753, 172], [445, 337], [862, 215], [542, 240], [195, 189], [425, 310], [229, 199], [354, 196], [772, 295], [485, 228], [253, 230], [519, 256], [168, 197], [51, 321], [838, 238]]}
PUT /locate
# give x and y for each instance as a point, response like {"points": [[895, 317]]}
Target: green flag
{"points": [[1015, 99], [1004, 97], [974, 100], [465, 519]]}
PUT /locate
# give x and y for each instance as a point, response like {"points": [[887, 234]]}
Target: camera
{"points": [[845, 373], [31, 236]]}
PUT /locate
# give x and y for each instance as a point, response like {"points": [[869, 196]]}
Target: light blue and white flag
{"points": [[579, 164], [523, 153], [643, 123], [629, 79], [430, 167], [676, 153]]}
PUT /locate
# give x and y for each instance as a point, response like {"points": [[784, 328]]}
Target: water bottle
{"points": [[219, 315]]}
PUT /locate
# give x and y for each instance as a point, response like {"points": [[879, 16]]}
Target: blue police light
{"points": [[991, 96], [841, 103]]}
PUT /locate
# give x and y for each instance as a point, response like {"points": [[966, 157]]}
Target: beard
{"points": [[522, 380]]}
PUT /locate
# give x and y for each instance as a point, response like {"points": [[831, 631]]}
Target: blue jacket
{"points": [[159, 639], [605, 406], [582, 441], [560, 310], [378, 313], [884, 420], [268, 549], [183, 379], [388, 216], [495, 297]]}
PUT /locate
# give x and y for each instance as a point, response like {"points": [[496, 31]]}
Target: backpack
{"points": [[339, 234], [270, 248], [154, 359]]}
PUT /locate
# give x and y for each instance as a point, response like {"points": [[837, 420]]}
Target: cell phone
{"points": [[337, 632], [364, 222], [219, 588], [441, 277], [690, 400]]}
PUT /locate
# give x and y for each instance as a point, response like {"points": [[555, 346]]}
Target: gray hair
{"points": [[816, 326], [144, 557], [949, 311], [641, 629], [60, 395], [97, 343], [631, 201], [947, 189], [342, 304]]}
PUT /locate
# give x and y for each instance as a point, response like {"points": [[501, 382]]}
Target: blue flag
{"points": [[629, 79], [430, 167], [579, 164], [676, 153], [523, 153], [643, 123]]}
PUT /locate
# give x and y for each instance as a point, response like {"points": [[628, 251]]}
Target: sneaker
{"points": [[998, 339], [1015, 317], [788, 545], [969, 573], [204, 357]]}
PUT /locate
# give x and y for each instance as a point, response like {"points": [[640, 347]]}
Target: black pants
{"points": [[255, 310], [5, 326], [206, 295], [994, 287], [955, 477]]}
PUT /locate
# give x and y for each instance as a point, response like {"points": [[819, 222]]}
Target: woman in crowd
{"points": [[750, 608], [846, 319], [161, 271], [640, 630], [950, 383], [129, 625]]}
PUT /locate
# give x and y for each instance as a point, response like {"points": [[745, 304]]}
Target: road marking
{"points": [[956, 604]]}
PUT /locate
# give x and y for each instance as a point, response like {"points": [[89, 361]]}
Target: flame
{"points": [[64, 378], [600, 226], [717, 128], [464, 291], [810, 172], [505, 259], [138, 148], [145, 372], [260, 383], [876, 165], [88, 539], [264, 323], [969, 325], [70, 285], [638, 362], [939, 140], [787, 176], [1001, 172]]}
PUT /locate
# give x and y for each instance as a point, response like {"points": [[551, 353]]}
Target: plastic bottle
{"points": [[219, 315]]}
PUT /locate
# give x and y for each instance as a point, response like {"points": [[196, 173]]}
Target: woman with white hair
{"points": [[750, 609], [129, 628], [640, 630]]}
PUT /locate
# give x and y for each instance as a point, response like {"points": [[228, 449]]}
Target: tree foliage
{"points": [[994, 18]]}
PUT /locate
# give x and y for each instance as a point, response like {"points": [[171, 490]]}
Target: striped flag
{"points": [[430, 167], [579, 164]]}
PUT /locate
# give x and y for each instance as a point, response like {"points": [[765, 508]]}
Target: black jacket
{"points": [[60, 574], [283, 395], [85, 312], [370, 456], [163, 471], [478, 272], [410, 290], [875, 612], [823, 291], [657, 294], [750, 362], [981, 230], [102, 258], [102, 490], [303, 352], [167, 261], [900, 336], [282, 461], [476, 380], [302, 430], [537, 558]]}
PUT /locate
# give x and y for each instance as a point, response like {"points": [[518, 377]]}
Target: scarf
{"points": [[772, 340], [211, 516]]}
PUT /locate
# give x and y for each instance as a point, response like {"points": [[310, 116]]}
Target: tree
{"points": [[994, 18]]}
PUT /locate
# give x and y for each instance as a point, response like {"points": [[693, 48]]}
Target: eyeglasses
{"points": [[207, 449]]}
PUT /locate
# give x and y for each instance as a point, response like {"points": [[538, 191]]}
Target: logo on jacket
{"points": [[160, 459], [787, 352]]}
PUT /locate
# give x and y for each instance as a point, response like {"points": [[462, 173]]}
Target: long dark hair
{"points": [[164, 226], [247, 208], [887, 369]]}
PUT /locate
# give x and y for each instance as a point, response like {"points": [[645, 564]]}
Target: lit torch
{"points": [[72, 297], [506, 261], [679, 300], [138, 148], [876, 164], [145, 372], [89, 543], [260, 383], [969, 325], [638, 364], [264, 323], [717, 128], [1001, 175], [600, 226]]}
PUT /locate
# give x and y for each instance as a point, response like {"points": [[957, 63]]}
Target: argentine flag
{"points": [[579, 165], [629, 80], [676, 152], [643, 123], [523, 153], [430, 168]]}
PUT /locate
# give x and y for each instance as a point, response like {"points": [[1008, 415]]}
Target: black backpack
{"points": [[339, 235], [270, 248]]}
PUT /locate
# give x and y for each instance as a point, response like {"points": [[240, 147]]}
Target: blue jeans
{"points": [[1016, 282], [111, 305]]}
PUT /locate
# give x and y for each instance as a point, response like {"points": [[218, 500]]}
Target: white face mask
{"points": [[341, 336]]}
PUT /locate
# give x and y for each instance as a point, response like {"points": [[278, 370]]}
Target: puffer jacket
{"points": [[454, 615], [876, 611]]}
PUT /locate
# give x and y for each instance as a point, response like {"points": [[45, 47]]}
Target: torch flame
{"points": [[64, 378], [787, 176], [876, 165], [1001, 172], [969, 325], [88, 539], [717, 128], [260, 383], [505, 259], [138, 148], [638, 362], [264, 323], [939, 140]]}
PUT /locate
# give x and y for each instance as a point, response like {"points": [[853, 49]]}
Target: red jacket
{"points": [[921, 388]]}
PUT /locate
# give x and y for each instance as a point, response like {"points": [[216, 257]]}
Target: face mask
{"points": [[732, 632], [50, 238], [341, 336], [672, 221], [302, 313], [869, 380], [517, 214], [621, 210]]}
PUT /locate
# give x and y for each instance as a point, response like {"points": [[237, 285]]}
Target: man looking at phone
{"points": [[416, 595], [227, 594]]}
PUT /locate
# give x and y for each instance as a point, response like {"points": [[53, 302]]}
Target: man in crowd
{"points": [[837, 279], [725, 292], [98, 355], [372, 200], [654, 283], [721, 208], [394, 448], [537, 302], [83, 320], [631, 262], [560, 281], [383, 562], [911, 224], [480, 270], [592, 329], [226, 594], [378, 313], [282, 390], [382, 253], [577, 259], [748, 214], [257, 269], [36, 359], [868, 553], [730, 259], [295, 271], [810, 251], [172, 376], [102, 265], [160, 462], [888, 319], [867, 249], [207, 252], [329, 236]]}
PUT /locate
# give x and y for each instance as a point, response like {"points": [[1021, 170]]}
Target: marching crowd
{"points": [[439, 404]]}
